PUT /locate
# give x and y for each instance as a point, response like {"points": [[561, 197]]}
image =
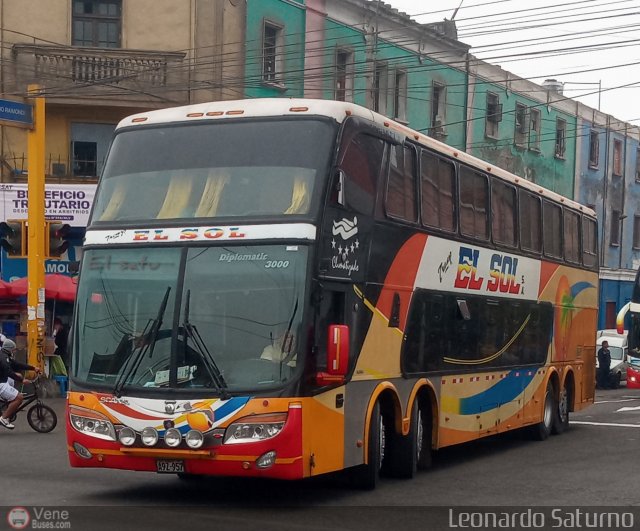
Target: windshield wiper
{"points": [[201, 348], [288, 342], [148, 338]]}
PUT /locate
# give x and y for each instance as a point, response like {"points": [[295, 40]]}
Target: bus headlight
{"points": [[127, 436], [149, 436], [172, 437], [92, 423], [194, 439], [255, 428]]}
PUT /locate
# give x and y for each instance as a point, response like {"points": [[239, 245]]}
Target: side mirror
{"points": [[337, 356]]}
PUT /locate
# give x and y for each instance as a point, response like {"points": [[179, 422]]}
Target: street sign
{"points": [[16, 113]]}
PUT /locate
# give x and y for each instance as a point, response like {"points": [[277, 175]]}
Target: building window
{"points": [[344, 76], [617, 157], [594, 149], [520, 135], [636, 232], [494, 115], [400, 96], [97, 23], [534, 129], [638, 165], [272, 53], [561, 138], [614, 236], [438, 109], [380, 86]]}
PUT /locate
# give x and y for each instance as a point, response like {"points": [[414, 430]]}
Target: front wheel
{"points": [[42, 418], [367, 476]]}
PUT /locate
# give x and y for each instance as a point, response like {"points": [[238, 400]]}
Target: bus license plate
{"points": [[169, 467]]}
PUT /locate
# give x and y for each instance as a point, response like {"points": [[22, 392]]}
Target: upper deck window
{"points": [[231, 170]]}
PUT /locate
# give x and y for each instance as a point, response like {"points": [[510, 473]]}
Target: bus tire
{"points": [[423, 438], [403, 449], [367, 476], [561, 418], [542, 430]]}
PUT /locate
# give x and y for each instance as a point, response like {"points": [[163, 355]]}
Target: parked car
{"points": [[633, 374], [619, 354]]}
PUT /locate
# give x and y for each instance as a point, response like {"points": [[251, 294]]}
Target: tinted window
{"points": [[589, 242], [474, 219], [503, 213], [361, 161], [438, 192], [552, 225], [572, 236], [530, 222], [401, 188]]}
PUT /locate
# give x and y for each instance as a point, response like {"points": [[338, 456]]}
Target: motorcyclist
{"points": [[9, 368]]}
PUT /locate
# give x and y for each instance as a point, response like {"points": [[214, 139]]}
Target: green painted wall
{"points": [[540, 166], [290, 16], [421, 75]]}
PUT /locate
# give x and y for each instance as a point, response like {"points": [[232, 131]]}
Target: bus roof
{"points": [[339, 111]]}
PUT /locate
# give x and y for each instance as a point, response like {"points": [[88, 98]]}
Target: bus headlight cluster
{"points": [[172, 437], [92, 423], [255, 428]]}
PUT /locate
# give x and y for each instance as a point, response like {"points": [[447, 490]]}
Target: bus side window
{"points": [[402, 191], [361, 162]]}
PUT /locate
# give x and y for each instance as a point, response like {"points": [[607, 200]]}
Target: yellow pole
{"points": [[36, 231]]}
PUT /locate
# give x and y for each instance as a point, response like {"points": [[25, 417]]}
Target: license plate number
{"points": [[169, 467]]}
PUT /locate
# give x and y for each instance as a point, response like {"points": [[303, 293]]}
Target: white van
{"points": [[619, 353]]}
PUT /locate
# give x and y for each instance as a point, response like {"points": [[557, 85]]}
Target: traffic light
{"points": [[13, 237], [57, 243]]}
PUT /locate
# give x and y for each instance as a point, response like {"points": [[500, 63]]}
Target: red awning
{"points": [[56, 286]]}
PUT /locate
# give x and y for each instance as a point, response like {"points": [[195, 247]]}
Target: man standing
{"points": [[604, 365]]}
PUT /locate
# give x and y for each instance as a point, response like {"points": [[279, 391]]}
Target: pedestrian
{"points": [[60, 336], [604, 365]]}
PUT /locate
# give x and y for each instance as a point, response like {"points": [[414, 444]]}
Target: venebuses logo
{"points": [[18, 518]]}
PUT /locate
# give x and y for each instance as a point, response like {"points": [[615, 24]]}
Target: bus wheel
{"points": [[542, 430], [561, 418], [423, 435], [404, 449], [367, 476]]}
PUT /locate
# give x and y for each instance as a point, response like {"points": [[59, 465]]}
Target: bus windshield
{"points": [[235, 325], [214, 170]]}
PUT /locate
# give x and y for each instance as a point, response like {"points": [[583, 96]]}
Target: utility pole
{"points": [[36, 232]]}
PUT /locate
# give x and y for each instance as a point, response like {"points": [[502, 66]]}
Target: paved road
{"points": [[593, 464]]}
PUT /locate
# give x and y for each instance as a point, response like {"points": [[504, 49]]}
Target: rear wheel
{"points": [[561, 419], [367, 476], [542, 430], [42, 418], [403, 449]]}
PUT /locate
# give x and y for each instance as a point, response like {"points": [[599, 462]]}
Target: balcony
{"points": [[107, 76]]}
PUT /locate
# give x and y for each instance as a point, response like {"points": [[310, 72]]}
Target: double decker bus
{"points": [[285, 288]]}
